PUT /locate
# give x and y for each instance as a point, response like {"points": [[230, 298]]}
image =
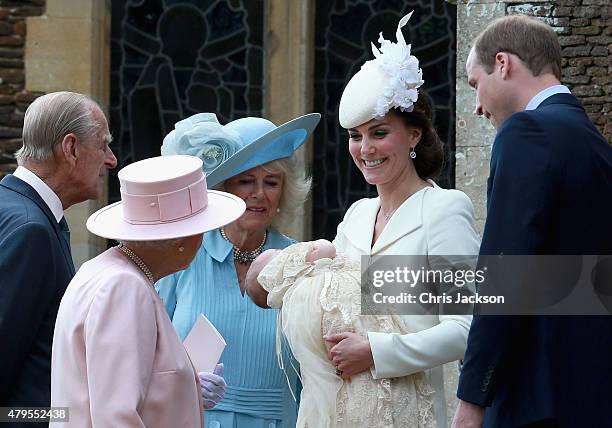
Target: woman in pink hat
{"points": [[116, 360]]}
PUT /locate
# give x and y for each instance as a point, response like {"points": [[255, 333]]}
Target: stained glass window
{"points": [[174, 58], [344, 30]]}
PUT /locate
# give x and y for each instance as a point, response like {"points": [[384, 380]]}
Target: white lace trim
{"points": [[379, 403]]}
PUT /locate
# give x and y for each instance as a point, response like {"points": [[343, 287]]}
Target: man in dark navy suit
{"points": [[549, 192], [64, 160]]}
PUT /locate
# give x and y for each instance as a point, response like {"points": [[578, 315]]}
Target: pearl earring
{"points": [[278, 210], [412, 153], [181, 249]]}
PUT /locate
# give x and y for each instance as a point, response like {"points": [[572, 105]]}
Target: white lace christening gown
{"points": [[323, 298]]}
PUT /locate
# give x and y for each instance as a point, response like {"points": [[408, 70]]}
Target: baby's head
{"points": [[320, 249], [256, 292]]}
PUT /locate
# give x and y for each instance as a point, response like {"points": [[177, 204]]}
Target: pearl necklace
{"points": [[138, 262], [243, 256]]}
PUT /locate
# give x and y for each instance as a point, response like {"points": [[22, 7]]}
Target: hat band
{"points": [[165, 207]]}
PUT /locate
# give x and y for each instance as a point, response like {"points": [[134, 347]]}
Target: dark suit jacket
{"points": [[549, 192], [35, 268]]}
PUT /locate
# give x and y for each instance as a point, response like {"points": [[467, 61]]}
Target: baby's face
{"points": [[253, 288], [262, 260]]}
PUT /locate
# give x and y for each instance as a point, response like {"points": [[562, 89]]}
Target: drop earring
{"points": [[412, 153]]}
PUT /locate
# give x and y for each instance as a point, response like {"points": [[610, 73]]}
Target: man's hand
{"points": [[468, 415], [351, 354]]}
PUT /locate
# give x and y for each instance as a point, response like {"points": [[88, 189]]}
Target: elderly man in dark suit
{"points": [[63, 161], [549, 192]]}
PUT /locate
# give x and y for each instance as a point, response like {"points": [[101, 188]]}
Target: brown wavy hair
{"points": [[429, 159]]}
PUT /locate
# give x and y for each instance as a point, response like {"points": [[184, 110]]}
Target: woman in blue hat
{"points": [[253, 159]]}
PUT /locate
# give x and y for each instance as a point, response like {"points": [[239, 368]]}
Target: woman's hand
{"points": [[350, 354], [212, 386]]}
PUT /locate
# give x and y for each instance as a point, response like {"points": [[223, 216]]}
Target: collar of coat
{"points": [[407, 218]]}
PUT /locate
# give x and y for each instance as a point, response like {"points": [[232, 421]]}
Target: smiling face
{"points": [[381, 148], [261, 189]]}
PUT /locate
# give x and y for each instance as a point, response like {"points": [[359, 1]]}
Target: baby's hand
{"points": [[322, 249]]}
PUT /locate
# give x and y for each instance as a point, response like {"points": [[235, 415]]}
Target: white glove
{"points": [[212, 386]]}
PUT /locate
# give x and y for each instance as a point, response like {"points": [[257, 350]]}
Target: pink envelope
{"points": [[204, 345]]}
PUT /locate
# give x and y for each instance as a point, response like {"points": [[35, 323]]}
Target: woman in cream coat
{"points": [[116, 360], [395, 146]]}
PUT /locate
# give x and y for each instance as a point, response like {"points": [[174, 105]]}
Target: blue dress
{"points": [[257, 394]]}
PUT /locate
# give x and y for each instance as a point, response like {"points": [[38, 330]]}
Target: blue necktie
{"points": [[63, 224]]}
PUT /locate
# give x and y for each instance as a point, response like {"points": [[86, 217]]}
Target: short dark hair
{"points": [[534, 42], [429, 152]]}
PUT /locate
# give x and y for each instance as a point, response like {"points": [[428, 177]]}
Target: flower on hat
{"points": [[203, 136], [402, 68]]}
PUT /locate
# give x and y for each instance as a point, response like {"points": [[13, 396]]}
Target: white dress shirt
{"points": [[44, 191], [546, 93]]}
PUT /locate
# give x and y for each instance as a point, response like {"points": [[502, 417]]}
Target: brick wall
{"points": [[584, 28], [14, 100]]}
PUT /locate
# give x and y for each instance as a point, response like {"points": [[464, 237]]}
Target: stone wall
{"points": [[584, 28], [14, 99], [585, 34]]}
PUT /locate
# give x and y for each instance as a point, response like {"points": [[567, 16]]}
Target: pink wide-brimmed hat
{"points": [[164, 198]]}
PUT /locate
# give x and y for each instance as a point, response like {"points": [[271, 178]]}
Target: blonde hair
{"points": [[296, 188]]}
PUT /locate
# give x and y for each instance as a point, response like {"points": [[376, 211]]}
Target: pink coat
{"points": [[116, 360]]}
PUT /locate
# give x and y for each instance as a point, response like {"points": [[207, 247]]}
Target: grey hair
{"points": [[50, 118], [296, 187], [162, 244]]}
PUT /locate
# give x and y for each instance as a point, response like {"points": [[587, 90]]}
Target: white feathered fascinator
{"points": [[390, 80]]}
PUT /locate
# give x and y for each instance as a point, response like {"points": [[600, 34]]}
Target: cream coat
{"points": [[433, 221], [116, 360]]}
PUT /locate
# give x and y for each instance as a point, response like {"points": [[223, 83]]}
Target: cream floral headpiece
{"points": [[390, 80], [395, 60]]}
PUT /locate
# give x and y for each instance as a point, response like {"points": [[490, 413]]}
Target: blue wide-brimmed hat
{"points": [[228, 150]]}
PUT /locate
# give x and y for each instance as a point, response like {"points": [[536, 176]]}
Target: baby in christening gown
{"points": [[318, 292]]}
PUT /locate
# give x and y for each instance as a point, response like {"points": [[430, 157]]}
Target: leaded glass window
{"points": [[344, 30], [174, 58]]}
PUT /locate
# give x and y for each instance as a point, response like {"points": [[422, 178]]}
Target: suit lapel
{"points": [[17, 185]]}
